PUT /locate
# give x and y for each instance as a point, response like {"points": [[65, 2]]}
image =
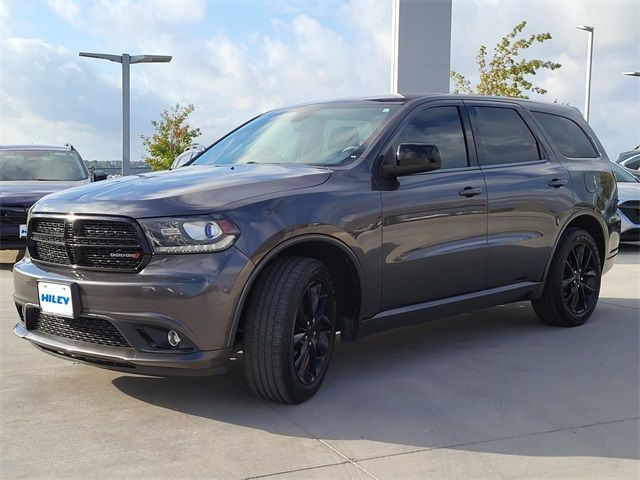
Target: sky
{"points": [[235, 59]]}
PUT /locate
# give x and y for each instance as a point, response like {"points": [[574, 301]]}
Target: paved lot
{"points": [[493, 394]]}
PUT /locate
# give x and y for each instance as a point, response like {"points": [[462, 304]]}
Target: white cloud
{"points": [[306, 52], [68, 10], [5, 24], [51, 96], [615, 99], [125, 24], [228, 81]]}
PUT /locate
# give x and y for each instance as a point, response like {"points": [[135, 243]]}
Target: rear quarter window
{"points": [[567, 135]]}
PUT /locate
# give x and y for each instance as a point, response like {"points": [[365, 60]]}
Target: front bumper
{"points": [[8, 243], [129, 360], [10, 230], [10, 237], [194, 295], [629, 231]]}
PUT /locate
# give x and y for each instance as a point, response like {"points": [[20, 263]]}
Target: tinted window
{"points": [[41, 165], [567, 135], [502, 136], [439, 126]]}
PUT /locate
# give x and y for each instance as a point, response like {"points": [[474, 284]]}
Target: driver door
{"points": [[435, 223]]}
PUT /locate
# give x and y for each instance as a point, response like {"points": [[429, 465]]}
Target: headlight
{"points": [[210, 233]]}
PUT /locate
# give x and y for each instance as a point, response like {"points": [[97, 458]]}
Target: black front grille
{"points": [[85, 242], [14, 215], [84, 329], [52, 253], [631, 210], [107, 229]]}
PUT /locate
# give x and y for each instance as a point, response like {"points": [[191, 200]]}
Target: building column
{"points": [[421, 46]]}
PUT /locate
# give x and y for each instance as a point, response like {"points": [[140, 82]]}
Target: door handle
{"points": [[558, 182], [470, 191]]}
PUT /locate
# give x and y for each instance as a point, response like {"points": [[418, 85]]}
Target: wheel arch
{"points": [[341, 261], [589, 222]]}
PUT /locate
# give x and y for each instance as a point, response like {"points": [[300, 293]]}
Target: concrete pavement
{"points": [[491, 394]]}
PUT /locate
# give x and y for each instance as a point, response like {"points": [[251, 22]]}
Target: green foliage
{"points": [[172, 136], [504, 74]]}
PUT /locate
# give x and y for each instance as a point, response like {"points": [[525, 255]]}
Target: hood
{"points": [[188, 190], [25, 193], [628, 191]]}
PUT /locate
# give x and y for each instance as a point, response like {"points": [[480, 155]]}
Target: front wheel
{"points": [[573, 283], [290, 330]]}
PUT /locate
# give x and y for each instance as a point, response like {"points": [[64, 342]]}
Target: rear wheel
{"points": [[290, 330], [573, 283]]}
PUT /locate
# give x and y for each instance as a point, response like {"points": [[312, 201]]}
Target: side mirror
{"points": [[99, 175], [413, 158]]}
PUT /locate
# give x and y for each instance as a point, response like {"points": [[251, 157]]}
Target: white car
{"points": [[628, 203], [631, 163], [187, 155]]}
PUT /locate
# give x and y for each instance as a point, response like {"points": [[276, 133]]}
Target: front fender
{"points": [[253, 269]]}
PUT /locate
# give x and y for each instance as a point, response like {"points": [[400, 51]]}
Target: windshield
{"points": [[622, 175], [323, 134], [41, 165]]}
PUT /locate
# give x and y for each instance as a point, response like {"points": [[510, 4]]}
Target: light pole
{"points": [[632, 74], [587, 93], [125, 59]]}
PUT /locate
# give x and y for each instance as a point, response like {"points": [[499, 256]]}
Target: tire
{"points": [[572, 287], [290, 325]]}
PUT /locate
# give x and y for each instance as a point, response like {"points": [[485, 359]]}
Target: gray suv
{"points": [[350, 216]]}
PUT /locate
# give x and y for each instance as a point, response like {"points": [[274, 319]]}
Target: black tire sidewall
{"points": [[554, 281], [318, 273]]}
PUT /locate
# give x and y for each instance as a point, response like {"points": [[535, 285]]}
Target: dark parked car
{"points": [[352, 216], [27, 173]]}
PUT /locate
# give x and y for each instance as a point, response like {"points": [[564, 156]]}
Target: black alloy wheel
{"points": [[312, 334], [572, 286], [290, 330], [579, 280]]}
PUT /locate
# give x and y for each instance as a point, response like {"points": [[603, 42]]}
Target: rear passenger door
{"points": [[528, 191]]}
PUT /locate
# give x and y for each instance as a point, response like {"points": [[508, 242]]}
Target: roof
{"points": [[406, 98], [488, 98], [62, 148]]}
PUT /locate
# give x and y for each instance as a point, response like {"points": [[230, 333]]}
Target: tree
{"points": [[505, 75], [173, 134]]}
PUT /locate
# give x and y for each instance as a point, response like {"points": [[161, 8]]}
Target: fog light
{"points": [[174, 338]]}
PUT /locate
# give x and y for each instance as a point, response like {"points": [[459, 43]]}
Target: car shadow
{"points": [[628, 254], [458, 382]]}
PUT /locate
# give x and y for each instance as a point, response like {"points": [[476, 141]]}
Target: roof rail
{"points": [[69, 146]]}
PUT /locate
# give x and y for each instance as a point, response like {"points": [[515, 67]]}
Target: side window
{"points": [[442, 127], [502, 136], [567, 135]]}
